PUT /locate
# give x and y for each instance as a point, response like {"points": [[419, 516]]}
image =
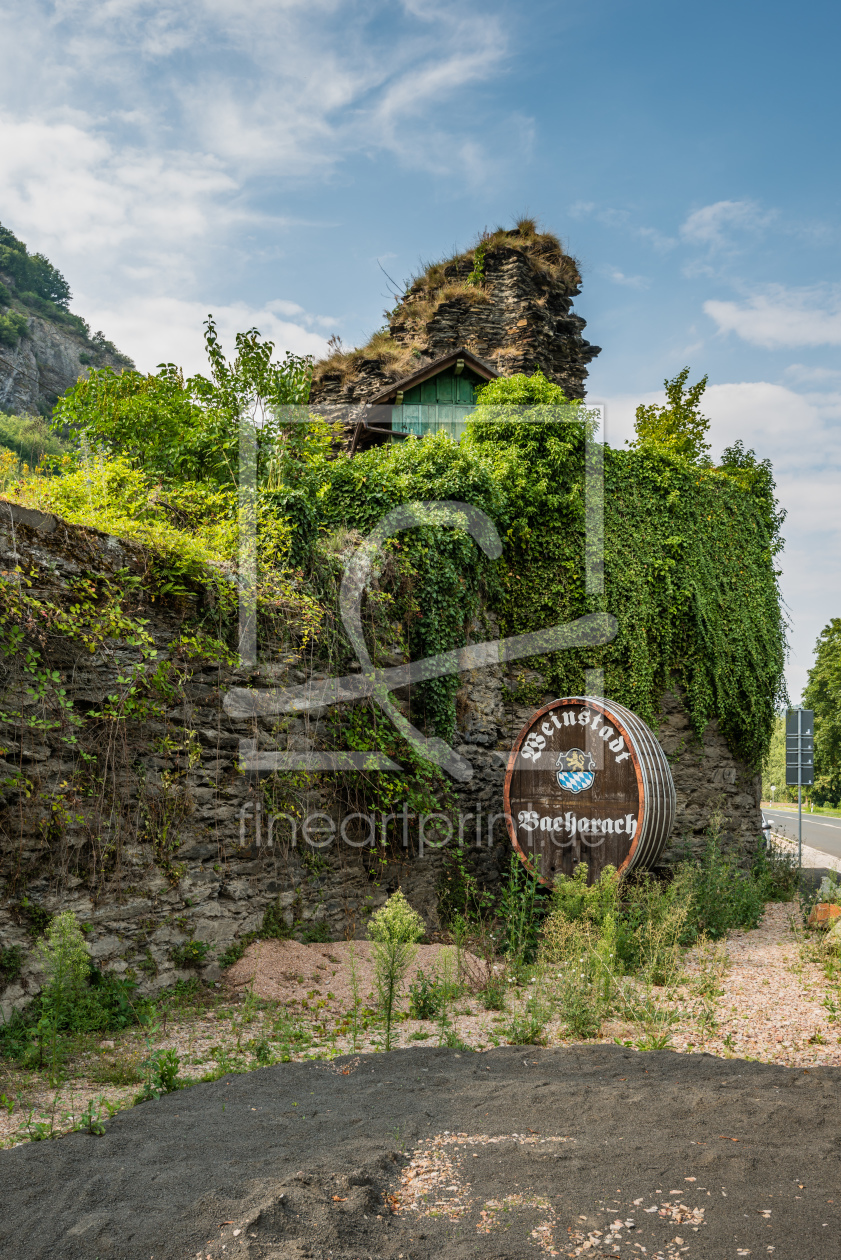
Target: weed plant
{"points": [[446, 986], [523, 906], [492, 996], [76, 999], [159, 1075], [394, 931], [427, 994], [598, 936], [191, 953]]}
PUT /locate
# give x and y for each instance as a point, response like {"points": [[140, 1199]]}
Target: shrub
{"points": [[492, 996], [232, 954], [65, 960], [777, 872], [160, 1075], [12, 327], [316, 934], [722, 896], [76, 998], [190, 954], [11, 962], [522, 908], [429, 994], [274, 925]]}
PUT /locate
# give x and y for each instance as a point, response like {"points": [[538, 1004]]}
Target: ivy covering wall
{"points": [[689, 558], [690, 544]]}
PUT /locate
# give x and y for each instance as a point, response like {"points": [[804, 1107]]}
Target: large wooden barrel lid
{"points": [[588, 782]]}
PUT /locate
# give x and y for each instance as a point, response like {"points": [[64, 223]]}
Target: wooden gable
{"points": [[437, 398]]}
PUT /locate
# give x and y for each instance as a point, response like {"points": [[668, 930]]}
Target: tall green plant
{"points": [[394, 930], [188, 428], [65, 960], [678, 427], [823, 694]]}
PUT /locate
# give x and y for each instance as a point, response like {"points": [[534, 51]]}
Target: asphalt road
{"points": [[818, 832]]}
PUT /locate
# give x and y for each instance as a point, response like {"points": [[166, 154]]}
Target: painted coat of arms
{"points": [[575, 770]]}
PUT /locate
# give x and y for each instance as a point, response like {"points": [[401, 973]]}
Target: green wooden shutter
{"points": [[443, 403]]}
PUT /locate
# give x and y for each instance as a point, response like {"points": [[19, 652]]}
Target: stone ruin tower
{"points": [[507, 302]]}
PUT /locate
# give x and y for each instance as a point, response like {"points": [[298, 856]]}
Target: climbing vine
{"points": [[689, 555]]}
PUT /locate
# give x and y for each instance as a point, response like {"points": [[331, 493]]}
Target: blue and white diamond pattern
{"points": [[575, 780]]}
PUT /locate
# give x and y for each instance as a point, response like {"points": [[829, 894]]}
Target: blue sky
{"points": [[260, 159]]}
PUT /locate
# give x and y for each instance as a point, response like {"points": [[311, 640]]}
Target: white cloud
{"points": [[778, 316], [166, 329], [138, 138], [658, 240], [804, 374], [630, 282], [714, 226]]}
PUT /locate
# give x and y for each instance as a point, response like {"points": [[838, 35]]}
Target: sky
{"points": [[269, 160]]}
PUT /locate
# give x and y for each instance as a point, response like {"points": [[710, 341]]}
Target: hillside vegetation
{"points": [[43, 345]]}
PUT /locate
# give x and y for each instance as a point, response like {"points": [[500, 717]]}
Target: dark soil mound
{"points": [[519, 1152]]}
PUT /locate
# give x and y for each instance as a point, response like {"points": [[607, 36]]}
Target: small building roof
{"points": [[472, 361]]}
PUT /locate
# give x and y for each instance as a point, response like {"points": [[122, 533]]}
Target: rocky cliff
{"points": [[47, 360], [509, 300], [44, 348]]}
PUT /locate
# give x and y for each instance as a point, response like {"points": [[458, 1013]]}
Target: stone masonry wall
{"points": [[164, 849]]}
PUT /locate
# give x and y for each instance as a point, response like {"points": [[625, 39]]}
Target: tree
{"points": [[181, 429], [823, 694], [774, 766], [679, 427], [32, 273]]}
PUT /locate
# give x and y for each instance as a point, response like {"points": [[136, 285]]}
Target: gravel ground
{"points": [[440, 1155], [771, 1005]]}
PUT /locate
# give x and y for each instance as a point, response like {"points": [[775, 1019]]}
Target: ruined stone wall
{"points": [[521, 319], [156, 844]]}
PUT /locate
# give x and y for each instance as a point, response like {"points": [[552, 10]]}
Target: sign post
{"points": [[800, 761]]}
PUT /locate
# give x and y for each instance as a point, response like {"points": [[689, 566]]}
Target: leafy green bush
{"points": [[160, 1075], [11, 962], [429, 994], [316, 934], [776, 872], [493, 995], [232, 954], [29, 438], [65, 960], [76, 998], [13, 326], [721, 895], [522, 907]]}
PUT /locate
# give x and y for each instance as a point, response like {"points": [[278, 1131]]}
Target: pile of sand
{"points": [[321, 976]]}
